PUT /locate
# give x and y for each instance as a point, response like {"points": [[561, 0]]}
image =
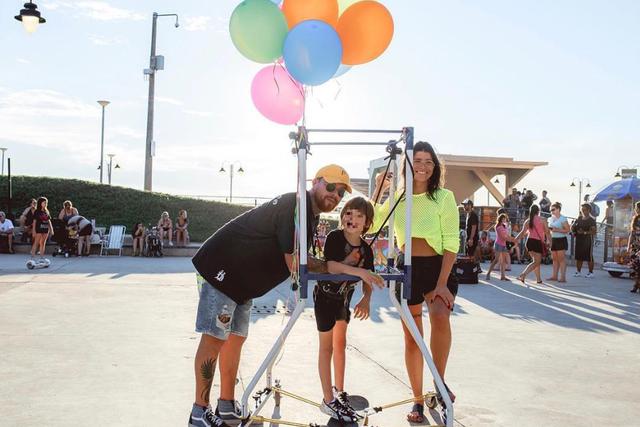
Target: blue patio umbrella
{"points": [[628, 187]]}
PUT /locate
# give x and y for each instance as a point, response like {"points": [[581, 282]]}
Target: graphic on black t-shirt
{"points": [[337, 248]]}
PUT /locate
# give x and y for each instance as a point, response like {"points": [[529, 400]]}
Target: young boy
{"points": [[346, 252]]}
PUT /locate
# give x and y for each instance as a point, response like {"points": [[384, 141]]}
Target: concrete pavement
{"points": [[110, 341]]}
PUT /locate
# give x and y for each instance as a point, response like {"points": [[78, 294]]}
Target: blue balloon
{"points": [[341, 70], [312, 52]]}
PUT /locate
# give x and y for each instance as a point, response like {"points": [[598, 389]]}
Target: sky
{"points": [[554, 81]]}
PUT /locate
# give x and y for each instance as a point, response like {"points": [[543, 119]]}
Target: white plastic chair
{"points": [[114, 240]]}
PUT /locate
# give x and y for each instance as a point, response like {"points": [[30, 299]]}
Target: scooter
{"points": [[38, 263]]}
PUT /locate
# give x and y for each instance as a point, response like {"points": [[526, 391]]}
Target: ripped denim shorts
{"points": [[219, 315]]}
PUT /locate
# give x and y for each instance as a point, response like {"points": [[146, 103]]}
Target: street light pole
{"points": [[3, 149], [580, 182], [103, 104], [231, 174], [109, 167], [155, 63]]}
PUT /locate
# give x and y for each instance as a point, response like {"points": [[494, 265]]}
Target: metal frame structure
{"points": [[301, 282]]}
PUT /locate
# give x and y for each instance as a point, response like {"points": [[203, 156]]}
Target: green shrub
{"points": [[118, 205]]}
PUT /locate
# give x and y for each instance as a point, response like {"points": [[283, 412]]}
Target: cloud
{"points": [[168, 100], [23, 61], [46, 103], [198, 113], [98, 10], [197, 23], [105, 41]]}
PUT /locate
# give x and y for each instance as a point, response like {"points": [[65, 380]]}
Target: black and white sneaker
{"points": [[205, 418], [230, 412], [337, 411], [343, 398]]}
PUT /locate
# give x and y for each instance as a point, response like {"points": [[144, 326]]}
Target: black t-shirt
{"points": [[245, 258], [337, 248], [472, 219], [41, 219], [582, 227]]}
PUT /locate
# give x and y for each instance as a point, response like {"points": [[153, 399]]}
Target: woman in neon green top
{"points": [[434, 245]]}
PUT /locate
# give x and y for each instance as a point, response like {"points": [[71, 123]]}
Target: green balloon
{"points": [[258, 29]]}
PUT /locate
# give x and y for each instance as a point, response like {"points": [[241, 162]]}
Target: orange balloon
{"points": [[297, 11], [366, 29]]}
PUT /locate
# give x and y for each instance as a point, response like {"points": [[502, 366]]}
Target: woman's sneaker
{"points": [[201, 417], [337, 411], [230, 412]]}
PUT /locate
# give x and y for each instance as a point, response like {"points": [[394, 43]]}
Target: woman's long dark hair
{"points": [[533, 211], [42, 200], [436, 180]]}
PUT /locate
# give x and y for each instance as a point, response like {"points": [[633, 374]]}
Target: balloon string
{"points": [[274, 77]]}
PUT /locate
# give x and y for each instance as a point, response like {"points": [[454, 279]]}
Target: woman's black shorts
{"points": [[329, 308], [559, 244], [86, 231], [424, 277], [534, 245]]}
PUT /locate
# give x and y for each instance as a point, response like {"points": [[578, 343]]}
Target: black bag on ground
{"points": [[467, 270]]}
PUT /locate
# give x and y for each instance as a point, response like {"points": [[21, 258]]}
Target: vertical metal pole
{"points": [[408, 176], [102, 145], [3, 150], [148, 161], [231, 183], [302, 211], [9, 186], [109, 170], [579, 198]]}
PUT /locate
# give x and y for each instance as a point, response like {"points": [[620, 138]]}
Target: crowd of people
{"points": [[73, 231]]}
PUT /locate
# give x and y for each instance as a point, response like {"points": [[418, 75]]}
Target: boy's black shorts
{"points": [[330, 307]]}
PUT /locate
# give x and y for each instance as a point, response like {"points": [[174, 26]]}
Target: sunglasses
{"points": [[331, 187]]}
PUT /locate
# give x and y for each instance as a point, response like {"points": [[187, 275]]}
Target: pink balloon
{"points": [[277, 95]]}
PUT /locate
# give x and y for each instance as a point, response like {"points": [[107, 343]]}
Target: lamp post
{"points": [[3, 149], [231, 172], [103, 104], [626, 172], [110, 168], [30, 17], [156, 62], [580, 181]]}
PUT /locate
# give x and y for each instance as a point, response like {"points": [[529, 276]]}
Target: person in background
{"points": [[67, 211], [527, 200], [500, 245], [182, 235], [41, 227], [584, 229], [6, 229], [545, 205], [595, 209], [138, 239], [559, 227], [165, 225], [471, 227], [486, 246], [633, 246], [608, 224], [26, 221], [84, 228], [536, 229]]}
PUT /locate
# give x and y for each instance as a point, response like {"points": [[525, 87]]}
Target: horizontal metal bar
{"points": [[348, 143], [340, 277], [355, 130]]}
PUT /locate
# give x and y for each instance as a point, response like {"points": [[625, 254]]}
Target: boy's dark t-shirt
{"points": [[337, 248], [245, 258]]}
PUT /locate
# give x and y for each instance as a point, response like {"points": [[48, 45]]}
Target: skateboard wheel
{"points": [[431, 402]]}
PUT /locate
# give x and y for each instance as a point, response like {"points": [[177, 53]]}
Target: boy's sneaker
{"points": [[343, 398], [201, 417], [577, 274], [229, 411], [337, 411], [589, 275]]}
